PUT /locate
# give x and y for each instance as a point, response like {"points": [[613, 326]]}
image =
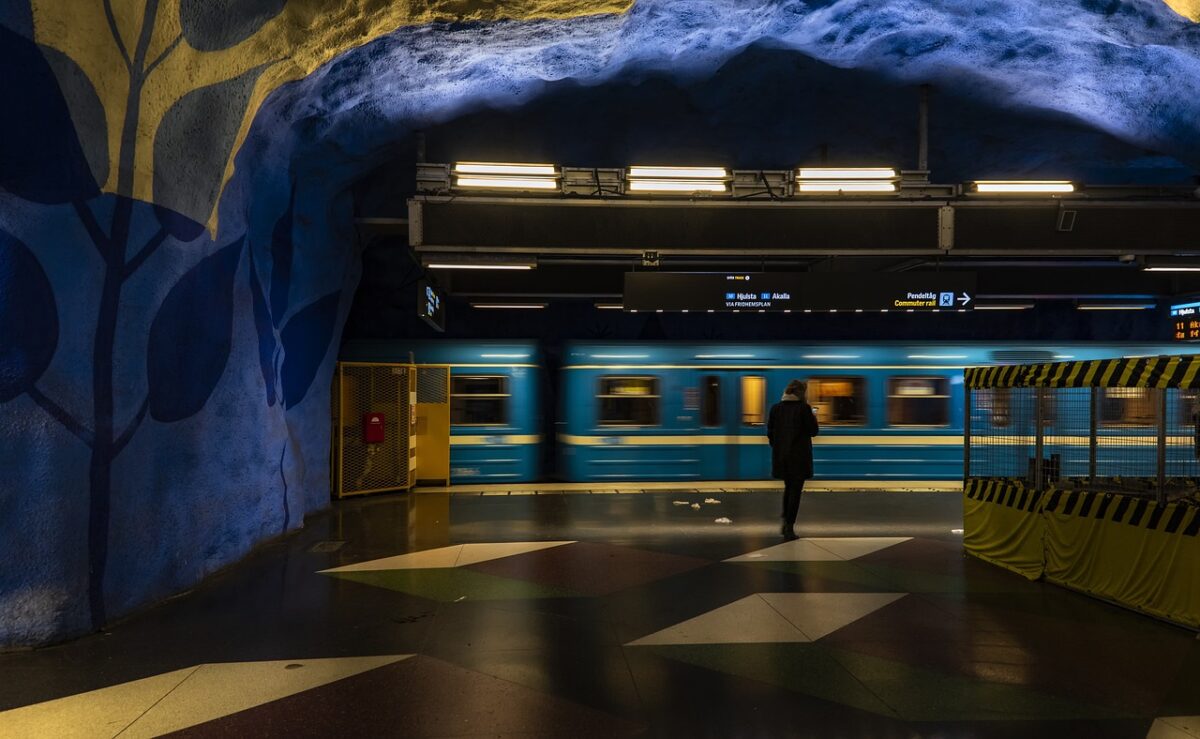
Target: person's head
{"points": [[798, 388]]}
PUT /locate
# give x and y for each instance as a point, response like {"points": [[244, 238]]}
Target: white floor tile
{"points": [[821, 614], [97, 713], [1175, 727], [218, 690], [747, 621]]}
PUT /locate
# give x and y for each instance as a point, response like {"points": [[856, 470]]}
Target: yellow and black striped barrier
{"points": [[1127, 549], [1149, 372]]}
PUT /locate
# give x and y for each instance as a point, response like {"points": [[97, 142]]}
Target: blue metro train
{"points": [[637, 411]]}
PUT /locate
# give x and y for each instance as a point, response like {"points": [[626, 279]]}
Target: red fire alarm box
{"points": [[373, 428]]}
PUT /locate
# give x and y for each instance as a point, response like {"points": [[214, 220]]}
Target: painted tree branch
{"points": [[132, 428], [146, 251], [60, 414], [162, 57], [92, 226], [116, 34]]}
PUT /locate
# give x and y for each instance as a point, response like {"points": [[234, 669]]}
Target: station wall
{"points": [[177, 253]]}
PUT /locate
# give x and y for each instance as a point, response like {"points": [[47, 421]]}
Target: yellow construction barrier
{"points": [[1002, 525], [1130, 550]]}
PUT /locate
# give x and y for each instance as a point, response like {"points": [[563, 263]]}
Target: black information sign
{"points": [[799, 291], [1185, 320], [431, 304]]}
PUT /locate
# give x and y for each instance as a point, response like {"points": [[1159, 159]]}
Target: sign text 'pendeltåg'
{"points": [[799, 291]]}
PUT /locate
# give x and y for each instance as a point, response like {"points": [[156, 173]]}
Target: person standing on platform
{"points": [[791, 427]]}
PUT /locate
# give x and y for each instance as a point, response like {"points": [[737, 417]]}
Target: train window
{"points": [[839, 401], [710, 402], [628, 401], [998, 402], [1128, 406], [1189, 407], [479, 400], [754, 401], [918, 401]]}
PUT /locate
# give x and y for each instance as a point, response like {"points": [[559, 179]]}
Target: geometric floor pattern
{"points": [[615, 616], [822, 549], [773, 618], [176, 700], [1175, 727]]}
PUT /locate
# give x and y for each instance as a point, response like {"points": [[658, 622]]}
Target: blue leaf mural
{"points": [[266, 334], [28, 319], [177, 224], [41, 155], [281, 260], [306, 340], [194, 141], [209, 25], [190, 337]]}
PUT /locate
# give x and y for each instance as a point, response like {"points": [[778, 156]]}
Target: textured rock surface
{"points": [[164, 386]]}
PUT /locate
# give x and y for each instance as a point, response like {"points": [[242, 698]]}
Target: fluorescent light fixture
{"points": [[505, 176], [499, 168], [1171, 269], [956, 531], [724, 356], [445, 265], [832, 356], [508, 306], [609, 306], [472, 261], [678, 179], [1064, 356], [845, 173], [506, 183], [1172, 264], [620, 356], [505, 356], [1003, 306], [678, 173], [937, 356], [677, 186], [1115, 306], [844, 186], [1024, 186]]}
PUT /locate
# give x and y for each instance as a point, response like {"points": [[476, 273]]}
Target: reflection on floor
{"points": [[550, 615]]}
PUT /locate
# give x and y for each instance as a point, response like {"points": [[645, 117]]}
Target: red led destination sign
{"points": [[799, 291]]}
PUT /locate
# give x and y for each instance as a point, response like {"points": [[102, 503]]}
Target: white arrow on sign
{"points": [[964, 299]]}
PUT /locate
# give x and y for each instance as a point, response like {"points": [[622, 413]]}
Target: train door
{"points": [[733, 413]]}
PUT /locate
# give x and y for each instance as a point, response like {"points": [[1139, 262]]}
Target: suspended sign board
{"points": [[799, 291], [1185, 320], [431, 304]]}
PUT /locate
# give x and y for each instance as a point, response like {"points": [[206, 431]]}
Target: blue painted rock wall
{"points": [[164, 386]]}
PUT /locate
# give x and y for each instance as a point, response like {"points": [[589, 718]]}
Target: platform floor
{"points": [[613, 616]]}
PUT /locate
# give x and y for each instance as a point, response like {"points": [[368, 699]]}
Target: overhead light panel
{"points": [[846, 180], [471, 261], [1003, 306], [609, 306], [1172, 264], [678, 180], [1024, 187], [508, 306], [502, 176], [1116, 306]]}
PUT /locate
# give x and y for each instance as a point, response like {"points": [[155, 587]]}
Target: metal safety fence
{"points": [[1126, 425]]}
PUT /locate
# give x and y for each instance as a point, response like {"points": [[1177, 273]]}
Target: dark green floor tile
{"points": [[920, 694], [804, 668]]}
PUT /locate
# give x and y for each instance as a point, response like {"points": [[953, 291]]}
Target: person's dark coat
{"points": [[791, 427]]}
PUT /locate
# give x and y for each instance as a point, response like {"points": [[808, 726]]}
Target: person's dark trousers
{"points": [[791, 503]]}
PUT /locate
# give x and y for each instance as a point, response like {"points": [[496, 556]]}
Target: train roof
{"points": [[852, 353], [447, 351]]}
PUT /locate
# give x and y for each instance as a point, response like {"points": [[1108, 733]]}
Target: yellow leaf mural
{"points": [[140, 71]]}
